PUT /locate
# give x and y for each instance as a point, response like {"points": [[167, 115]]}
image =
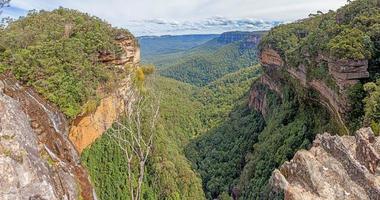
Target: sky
{"points": [[175, 17]]}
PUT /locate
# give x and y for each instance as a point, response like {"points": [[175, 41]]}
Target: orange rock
{"points": [[86, 129]]}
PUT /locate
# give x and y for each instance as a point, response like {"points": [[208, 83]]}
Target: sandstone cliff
{"points": [[87, 128], [37, 159], [345, 74], [335, 167]]}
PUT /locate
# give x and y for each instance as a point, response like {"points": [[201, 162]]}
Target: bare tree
{"points": [[135, 136], [3, 3]]}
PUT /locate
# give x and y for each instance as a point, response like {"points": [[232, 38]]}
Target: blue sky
{"points": [[161, 17]]}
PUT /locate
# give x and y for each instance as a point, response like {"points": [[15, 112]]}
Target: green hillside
{"points": [[206, 62], [55, 52], [203, 66]]}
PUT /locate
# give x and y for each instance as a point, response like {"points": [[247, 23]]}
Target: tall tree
{"points": [[135, 137]]}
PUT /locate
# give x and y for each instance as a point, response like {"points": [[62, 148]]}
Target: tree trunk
{"points": [[141, 179]]}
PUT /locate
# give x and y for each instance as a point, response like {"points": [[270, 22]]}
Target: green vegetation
{"points": [[350, 33], [169, 175], [200, 68], [56, 53], [372, 105], [207, 62], [186, 112], [291, 125], [221, 96], [345, 34], [218, 156], [351, 44], [209, 143], [241, 153]]}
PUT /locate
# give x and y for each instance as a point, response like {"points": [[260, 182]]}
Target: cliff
{"points": [[318, 70], [47, 97], [38, 160], [335, 167], [85, 129], [322, 57], [345, 74]]}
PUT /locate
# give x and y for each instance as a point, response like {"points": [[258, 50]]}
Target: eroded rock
{"points": [[334, 168]]}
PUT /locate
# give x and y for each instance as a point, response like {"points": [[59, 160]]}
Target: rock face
{"points": [[270, 57], [37, 161], [258, 95], [129, 56], [344, 72], [86, 129], [335, 167]]}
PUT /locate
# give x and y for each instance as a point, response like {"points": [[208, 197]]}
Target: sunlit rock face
{"points": [[85, 129], [37, 161], [334, 168]]}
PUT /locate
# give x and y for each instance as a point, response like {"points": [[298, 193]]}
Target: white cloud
{"points": [[210, 25], [164, 14]]}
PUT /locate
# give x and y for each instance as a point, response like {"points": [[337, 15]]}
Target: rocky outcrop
{"points": [[345, 72], [335, 167], [129, 56], [37, 161], [271, 58], [87, 128]]}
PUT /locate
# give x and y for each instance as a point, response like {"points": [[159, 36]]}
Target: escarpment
{"points": [[85, 129], [37, 159], [334, 168], [277, 74], [321, 56], [60, 90]]}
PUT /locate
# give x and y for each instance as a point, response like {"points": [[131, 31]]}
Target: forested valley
{"points": [[208, 116]]}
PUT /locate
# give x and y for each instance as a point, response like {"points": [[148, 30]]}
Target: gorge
{"points": [[289, 113]]}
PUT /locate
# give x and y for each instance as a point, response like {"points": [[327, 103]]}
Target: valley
{"points": [[89, 111]]}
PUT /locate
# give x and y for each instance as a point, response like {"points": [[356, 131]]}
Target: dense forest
{"points": [[186, 113], [210, 143], [209, 61], [169, 173]]}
